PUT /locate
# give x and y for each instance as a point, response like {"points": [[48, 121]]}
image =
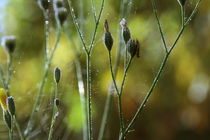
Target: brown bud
{"points": [[9, 43], [108, 40], [61, 15], [44, 4], [11, 105], [182, 2], [125, 30], [133, 47], [57, 102], [58, 4], [57, 75]]}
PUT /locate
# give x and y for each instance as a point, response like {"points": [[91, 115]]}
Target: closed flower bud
{"points": [[9, 43], [57, 102], [57, 75], [7, 119], [182, 2], [3, 98], [44, 4], [125, 30], [133, 47], [11, 105], [58, 4], [108, 40], [61, 15]]}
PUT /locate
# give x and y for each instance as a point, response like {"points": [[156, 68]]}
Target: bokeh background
{"points": [[178, 107]]}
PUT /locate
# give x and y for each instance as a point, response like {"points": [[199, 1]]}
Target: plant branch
{"points": [[77, 26], [93, 10], [154, 7], [38, 97], [140, 108]]}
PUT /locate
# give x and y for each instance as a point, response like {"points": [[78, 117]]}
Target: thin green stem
{"points": [[44, 79], [112, 73], [18, 129], [89, 103], [10, 135], [54, 115], [110, 92], [77, 26], [118, 93], [109, 98], [125, 74], [157, 77], [46, 25], [96, 27], [9, 72], [154, 7], [183, 15], [93, 10]]}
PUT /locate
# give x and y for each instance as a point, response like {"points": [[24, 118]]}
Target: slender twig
{"points": [[96, 27], [112, 73], [46, 25], [9, 72], [12, 128], [159, 25], [110, 92], [77, 26], [18, 128], [125, 74], [109, 98], [140, 108], [93, 10], [38, 97], [54, 115]]}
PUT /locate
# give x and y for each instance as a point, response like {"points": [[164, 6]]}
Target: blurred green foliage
{"points": [[179, 107]]}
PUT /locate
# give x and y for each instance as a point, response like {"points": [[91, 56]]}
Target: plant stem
{"points": [[93, 10], [18, 128], [46, 25], [9, 71], [54, 116], [109, 98], [38, 97], [154, 7], [157, 77], [89, 106], [12, 130]]}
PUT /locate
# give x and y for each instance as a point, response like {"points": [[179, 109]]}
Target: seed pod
{"points": [[9, 43], [108, 40], [182, 2], [7, 119], [57, 75], [3, 98], [11, 105], [125, 30], [44, 4], [58, 4], [57, 102], [133, 47], [61, 15]]}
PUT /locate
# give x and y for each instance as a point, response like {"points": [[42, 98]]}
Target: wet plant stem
{"points": [[158, 75], [109, 97], [46, 28], [9, 72], [43, 81], [54, 114], [18, 128]]}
